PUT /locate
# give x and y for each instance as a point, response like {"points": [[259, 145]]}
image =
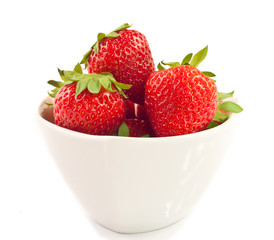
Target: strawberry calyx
{"points": [[124, 130], [224, 109], [91, 81], [100, 37], [189, 59]]}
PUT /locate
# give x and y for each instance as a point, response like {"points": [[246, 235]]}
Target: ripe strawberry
{"points": [[89, 103], [135, 128], [130, 109], [139, 128], [126, 54], [134, 110], [181, 99]]}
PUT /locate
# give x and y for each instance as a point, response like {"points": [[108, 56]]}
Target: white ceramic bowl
{"points": [[132, 185]]}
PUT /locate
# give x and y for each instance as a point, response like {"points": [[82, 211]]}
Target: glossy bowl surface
{"points": [[132, 185]]}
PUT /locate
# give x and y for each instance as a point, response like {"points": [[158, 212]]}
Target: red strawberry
{"points": [[89, 103], [130, 109], [126, 54], [140, 112], [134, 110], [135, 128], [181, 99]]}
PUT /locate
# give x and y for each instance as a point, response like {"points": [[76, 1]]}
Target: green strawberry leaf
{"points": [[106, 74], [71, 75], [160, 67], [220, 117], [230, 107], [96, 47], [53, 92], [121, 92], [78, 68], [208, 74], [222, 96], [68, 82], [199, 57], [94, 86], [56, 84], [145, 136], [122, 27], [123, 130], [61, 73], [171, 64], [118, 84], [86, 57], [187, 59], [106, 83], [81, 86], [100, 36], [112, 35], [212, 124]]}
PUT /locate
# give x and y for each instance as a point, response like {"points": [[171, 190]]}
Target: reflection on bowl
{"points": [[132, 185]]}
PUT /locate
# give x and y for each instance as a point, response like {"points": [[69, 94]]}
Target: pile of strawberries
{"points": [[122, 93]]}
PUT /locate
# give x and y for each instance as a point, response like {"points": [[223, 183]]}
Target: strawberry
{"points": [[130, 109], [134, 110], [126, 54], [88, 103], [135, 128], [182, 99]]}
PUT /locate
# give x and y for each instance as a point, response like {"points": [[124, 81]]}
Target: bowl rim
{"points": [[214, 130]]}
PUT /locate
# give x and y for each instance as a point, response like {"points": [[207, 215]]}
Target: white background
{"points": [[39, 36]]}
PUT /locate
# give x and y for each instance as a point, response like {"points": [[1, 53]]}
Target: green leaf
{"points": [[78, 68], [106, 83], [100, 36], [123, 85], [187, 59], [94, 86], [112, 35], [96, 47], [123, 130], [199, 57], [231, 107], [86, 57], [57, 84], [122, 27], [220, 117], [171, 64], [81, 86], [208, 74], [160, 67], [72, 76], [61, 73], [145, 136], [121, 92], [222, 96], [119, 84], [106, 74], [53, 92], [68, 82], [212, 124]]}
